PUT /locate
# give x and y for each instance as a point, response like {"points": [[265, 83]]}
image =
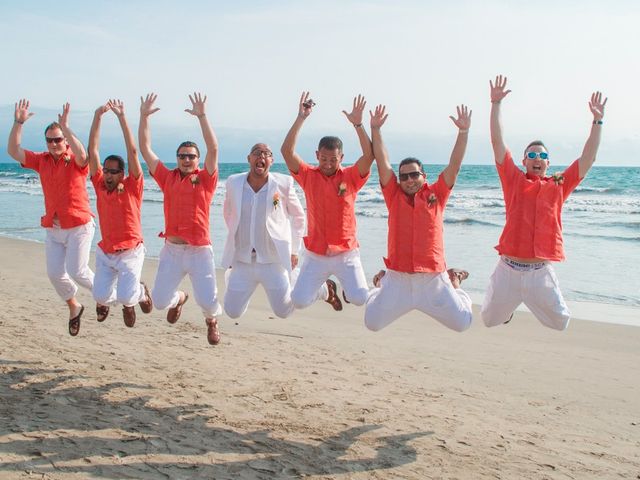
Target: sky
{"points": [[254, 58]]}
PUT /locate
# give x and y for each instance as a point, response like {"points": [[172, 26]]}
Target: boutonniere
{"points": [[195, 180], [558, 177], [432, 199], [276, 200], [120, 188], [66, 159], [342, 189]]}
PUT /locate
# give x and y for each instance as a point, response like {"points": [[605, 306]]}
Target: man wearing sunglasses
{"points": [[265, 225], [417, 276], [120, 252], [188, 192], [532, 235], [68, 219], [330, 191]]}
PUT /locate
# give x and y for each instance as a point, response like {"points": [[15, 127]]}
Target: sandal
{"points": [[102, 312], [333, 298], [213, 333], [174, 313], [74, 323], [146, 305]]}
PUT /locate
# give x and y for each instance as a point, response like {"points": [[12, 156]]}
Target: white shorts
{"points": [[431, 293], [316, 269], [117, 277], [175, 262], [67, 251], [537, 289]]}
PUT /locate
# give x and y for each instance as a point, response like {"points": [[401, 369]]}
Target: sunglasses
{"points": [[184, 156], [411, 175], [260, 153], [534, 155], [55, 140], [112, 171]]}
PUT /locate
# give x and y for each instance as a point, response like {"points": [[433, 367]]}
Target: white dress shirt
{"points": [[252, 239]]}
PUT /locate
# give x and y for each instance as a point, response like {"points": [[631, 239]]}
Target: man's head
{"points": [[329, 155], [260, 159], [113, 171], [56, 143], [536, 158], [187, 157], [411, 176]]}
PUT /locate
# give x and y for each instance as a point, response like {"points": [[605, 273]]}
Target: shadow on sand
{"points": [[49, 428]]}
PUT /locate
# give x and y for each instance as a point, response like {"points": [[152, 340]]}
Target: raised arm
{"points": [[355, 117], [463, 122], [94, 139], [498, 92], [21, 115], [74, 143], [133, 162], [147, 109], [288, 149], [596, 105], [197, 109], [385, 172]]}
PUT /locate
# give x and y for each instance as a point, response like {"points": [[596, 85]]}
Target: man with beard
{"points": [[265, 223], [120, 253], [68, 219], [188, 192]]}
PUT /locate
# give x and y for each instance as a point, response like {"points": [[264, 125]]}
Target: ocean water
{"points": [[601, 223]]}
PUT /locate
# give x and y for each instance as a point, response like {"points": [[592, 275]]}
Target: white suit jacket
{"points": [[285, 221]]}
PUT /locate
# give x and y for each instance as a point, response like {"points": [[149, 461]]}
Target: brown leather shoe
{"points": [[102, 312], [174, 313], [334, 299], [74, 323], [213, 332], [129, 315], [146, 305]]}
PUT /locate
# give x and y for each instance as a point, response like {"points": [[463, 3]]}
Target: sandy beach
{"points": [[313, 396]]}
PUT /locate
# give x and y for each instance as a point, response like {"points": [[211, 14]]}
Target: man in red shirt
{"points": [[532, 235], [330, 191], [417, 277], [68, 219], [188, 192], [120, 253]]}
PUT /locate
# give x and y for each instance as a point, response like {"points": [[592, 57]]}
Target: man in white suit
{"points": [[265, 223]]}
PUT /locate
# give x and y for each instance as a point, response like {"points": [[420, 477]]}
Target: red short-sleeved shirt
{"points": [[119, 213], [186, 203], [331, 216], [64, 185], [415, 241], [533, 227]]}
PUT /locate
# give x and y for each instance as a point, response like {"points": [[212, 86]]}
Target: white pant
{"points": [[538, 289], [316, 269], [243, 278], [431, 293], [123, 268], [175, 262], [67, 251]]}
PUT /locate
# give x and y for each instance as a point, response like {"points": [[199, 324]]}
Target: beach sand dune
{"points": [[313, 396]]}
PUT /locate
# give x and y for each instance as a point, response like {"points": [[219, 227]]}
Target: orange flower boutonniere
{"points": [[66, 159], [558, 177], [276, 200], [432, 199], [195, 180]]}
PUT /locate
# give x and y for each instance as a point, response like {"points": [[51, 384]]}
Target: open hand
{"points": [[498, 91], [197, 104], [378, 117], [116, 106], [146, 105], [463, 122], [22, 113], [596, 105], [355, 117], [63, 119]]}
